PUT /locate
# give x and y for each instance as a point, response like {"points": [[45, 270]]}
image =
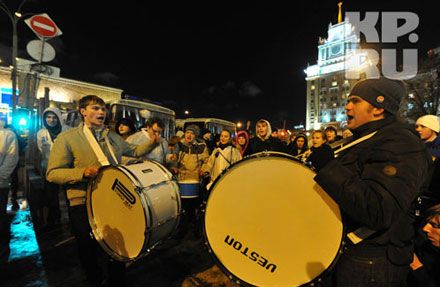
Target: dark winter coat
{"points": [[320, 156], [375, 182], [256, 144]]}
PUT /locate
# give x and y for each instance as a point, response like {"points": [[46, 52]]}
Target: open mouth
{"points": [[349, 117], [101, 118]]}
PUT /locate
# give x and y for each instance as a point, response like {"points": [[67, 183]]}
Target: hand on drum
{"points": [[91, 171]]}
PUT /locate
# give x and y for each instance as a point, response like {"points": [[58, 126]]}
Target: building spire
{"points": [[340, 12]]}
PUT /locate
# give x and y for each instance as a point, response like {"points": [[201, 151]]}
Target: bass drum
{"points": [[133, 208], [267, 223]]}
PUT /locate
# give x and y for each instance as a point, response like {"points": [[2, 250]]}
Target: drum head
{"points": [[268, 223], [116, 214]]}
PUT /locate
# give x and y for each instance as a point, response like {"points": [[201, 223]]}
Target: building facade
{"points": [[327, 84]]}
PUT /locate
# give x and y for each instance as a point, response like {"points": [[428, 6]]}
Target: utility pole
{"points": [[14, 17]]}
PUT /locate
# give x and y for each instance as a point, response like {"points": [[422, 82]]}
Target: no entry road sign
{"points": [[43, 26]]}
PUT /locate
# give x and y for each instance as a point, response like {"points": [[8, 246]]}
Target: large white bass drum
{"points": [[268, 223], [133, 208]]}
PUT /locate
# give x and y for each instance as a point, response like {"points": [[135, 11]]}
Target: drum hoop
{"points": [[146, 202], [225, 270], [101, 242], [148, 215]]}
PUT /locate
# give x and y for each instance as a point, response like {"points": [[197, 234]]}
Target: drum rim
{"points": [[149, 216], [225, 270], [101, 242]]}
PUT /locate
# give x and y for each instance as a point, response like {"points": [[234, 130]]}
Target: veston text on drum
{"points": [[127, 198], [252, 255]]}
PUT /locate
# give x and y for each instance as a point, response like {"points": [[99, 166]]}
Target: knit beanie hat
{"points": [[193, 128], [382, 93], [429, 121], [205, 131]]}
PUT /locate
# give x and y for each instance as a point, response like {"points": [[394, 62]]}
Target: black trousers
{"points": [[88, 250]]}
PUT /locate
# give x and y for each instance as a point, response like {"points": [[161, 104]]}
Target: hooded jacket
{"points": [[46, 136], [243, 149], [8, 156], [268, 143], [190, 159]]}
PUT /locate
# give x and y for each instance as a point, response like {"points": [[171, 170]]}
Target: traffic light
{"points": [[22, 119]]}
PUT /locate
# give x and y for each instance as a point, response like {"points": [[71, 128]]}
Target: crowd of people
{"points": [[382, 173]]}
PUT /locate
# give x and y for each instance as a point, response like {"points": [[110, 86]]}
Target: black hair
{"points": [[127, 122], [151, 121], [432, 211]]}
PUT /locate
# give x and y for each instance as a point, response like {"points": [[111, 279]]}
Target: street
{"points": [[49, 258]]}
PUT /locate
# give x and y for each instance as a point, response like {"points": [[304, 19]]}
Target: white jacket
{"points": [[159, 153], [219, 160], [8, 156], [44, 140]]}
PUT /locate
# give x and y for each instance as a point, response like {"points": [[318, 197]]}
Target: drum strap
{"points": [[353, 143], [102, 158]]}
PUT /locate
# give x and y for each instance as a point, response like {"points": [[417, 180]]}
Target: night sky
{"points": [[219, 59]]}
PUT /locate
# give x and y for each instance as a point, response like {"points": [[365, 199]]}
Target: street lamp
{"points": [[14, 17]]}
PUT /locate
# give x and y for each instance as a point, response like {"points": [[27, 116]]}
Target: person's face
{"points": [[331, 135], [189, 136], [224, 137], [432, 230], [241, 141], [300, 142], [154, 130], [51, 119], [94, 115], [123, 129], [317, 140], [359, 112], [207, 136], [425, 133], [262, 129]]}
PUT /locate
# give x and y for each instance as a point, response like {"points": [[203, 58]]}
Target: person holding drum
{"points": [[76, 157], [375, 179], [192, 155], [221, 157]]}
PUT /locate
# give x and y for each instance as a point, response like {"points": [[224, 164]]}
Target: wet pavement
{"points": [[48, 257]]}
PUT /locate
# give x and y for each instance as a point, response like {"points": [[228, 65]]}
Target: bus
{"points": [[213, 124], [137, 111]]}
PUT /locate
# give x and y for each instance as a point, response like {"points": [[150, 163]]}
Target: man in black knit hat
{"points": [[374, 180]]}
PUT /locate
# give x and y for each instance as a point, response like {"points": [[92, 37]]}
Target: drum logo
{"points": [[252, 255], [127, 198]]}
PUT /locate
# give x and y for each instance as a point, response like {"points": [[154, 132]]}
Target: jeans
{"points": [[354, 270]]}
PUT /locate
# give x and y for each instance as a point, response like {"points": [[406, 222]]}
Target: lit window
{"points": [[312, 87], [334, 83]]}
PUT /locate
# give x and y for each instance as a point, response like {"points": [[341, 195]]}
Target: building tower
{"points": [[327, 86]]}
